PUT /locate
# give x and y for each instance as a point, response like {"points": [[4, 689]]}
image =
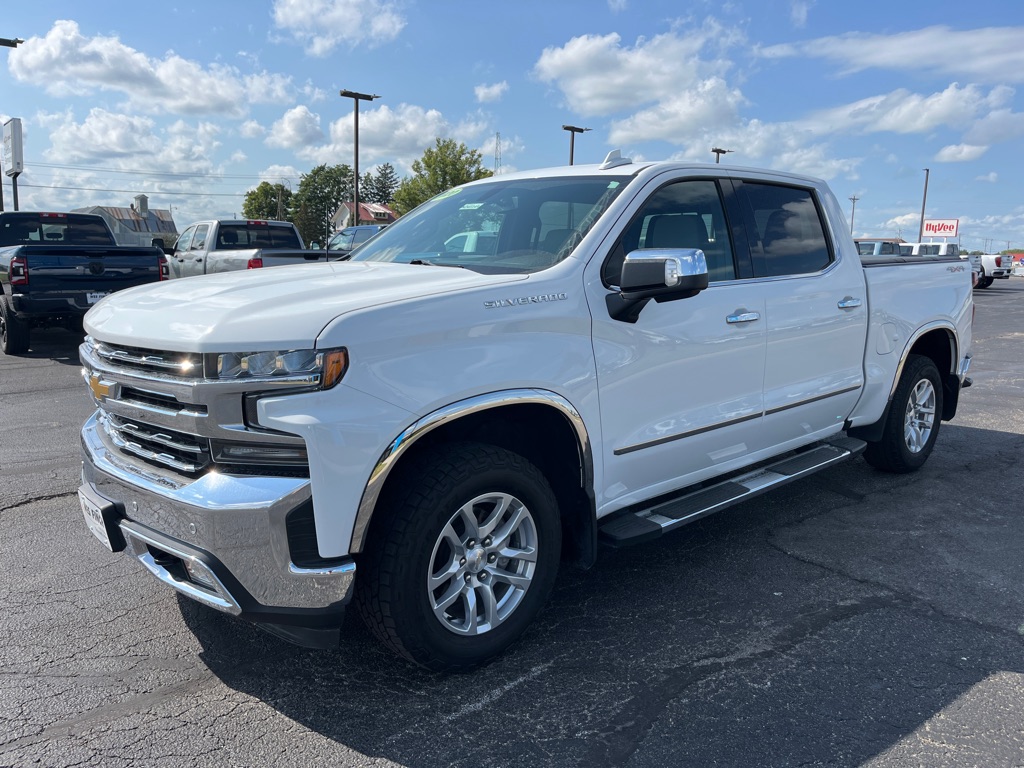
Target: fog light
{"points": [[199, 573]]}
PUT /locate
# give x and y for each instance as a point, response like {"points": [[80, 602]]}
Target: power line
{"points": [[135, 191]]}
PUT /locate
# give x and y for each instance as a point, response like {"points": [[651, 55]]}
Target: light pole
{"points": [[718, 151], [924, 201], [853, 211], [11, 43], [573, 130], [356, 98]]}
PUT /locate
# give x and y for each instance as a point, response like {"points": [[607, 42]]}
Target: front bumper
{"points": [[222, 540]]}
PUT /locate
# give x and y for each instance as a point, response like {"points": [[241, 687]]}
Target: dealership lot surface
{"points": [[853, 618]]}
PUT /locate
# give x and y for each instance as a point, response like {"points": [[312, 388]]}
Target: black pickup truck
{"points": [[55, 266]]}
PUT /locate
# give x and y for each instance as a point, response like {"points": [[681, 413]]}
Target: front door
{"points": [[681, 389]]}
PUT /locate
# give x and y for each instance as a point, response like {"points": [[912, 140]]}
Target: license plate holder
{"points": [[101, 516], [93, 296]]}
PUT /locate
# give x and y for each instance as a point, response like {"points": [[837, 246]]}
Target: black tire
{"points": [[984, 282], [14, 332], [423, 550], [912, 424]]}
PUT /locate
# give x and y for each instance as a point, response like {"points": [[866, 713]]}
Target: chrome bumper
{"points": [[219, 539]]}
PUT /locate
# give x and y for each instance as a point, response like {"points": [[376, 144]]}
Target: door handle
{"points": [[743, 317], [849, 303]]}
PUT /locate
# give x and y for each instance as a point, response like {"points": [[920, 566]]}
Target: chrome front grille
{"points": [[185, 364], [179, 451], [158, 407]]}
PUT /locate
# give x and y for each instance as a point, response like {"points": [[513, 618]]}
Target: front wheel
{"points": [[463, 559], [912, 424]]}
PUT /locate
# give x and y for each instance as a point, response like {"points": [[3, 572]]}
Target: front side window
{"points": [[185, 240], [789, 237], [199, 241], [498, 226], [686, 214]]}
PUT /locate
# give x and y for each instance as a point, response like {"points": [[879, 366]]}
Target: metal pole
{"points": [[924, 201], [14, 190], [355, 173], [853, 212], [573, 130]]}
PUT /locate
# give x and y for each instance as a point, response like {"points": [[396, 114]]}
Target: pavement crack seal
{"points": [[49, 497], [108, 713]]}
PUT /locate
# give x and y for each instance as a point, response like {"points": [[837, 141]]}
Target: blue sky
{"points": [[194, 103]]}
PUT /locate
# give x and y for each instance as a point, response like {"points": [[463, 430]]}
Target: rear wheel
{"points": [[14, 332], [912, 424], [983, 280], [464, 559]]}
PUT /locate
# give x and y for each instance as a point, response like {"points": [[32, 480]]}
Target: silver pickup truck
{"points": [[207, 247]]}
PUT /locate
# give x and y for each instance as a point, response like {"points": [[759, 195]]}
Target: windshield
{"points": [[522, 225]]}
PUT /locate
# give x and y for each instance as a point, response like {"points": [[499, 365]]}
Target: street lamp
{"points": [[11, 43], [573, 130], [853, 211], [719, 152], [356, 98], [924, 200]]}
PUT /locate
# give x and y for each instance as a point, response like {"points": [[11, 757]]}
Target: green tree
{"points": [[268, 201], [321, 192], [442, 167], [381, 186]]}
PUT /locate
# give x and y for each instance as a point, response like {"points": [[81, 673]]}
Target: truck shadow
{"points": [[57, 344], [849, 614]]}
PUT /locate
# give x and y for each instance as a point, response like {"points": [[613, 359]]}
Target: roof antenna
{"points": [[614, 159]]}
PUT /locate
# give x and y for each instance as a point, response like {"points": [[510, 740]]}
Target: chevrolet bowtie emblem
{"points": [[102, 390]]}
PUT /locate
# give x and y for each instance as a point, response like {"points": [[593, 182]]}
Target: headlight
{"points": [[303, 367]]}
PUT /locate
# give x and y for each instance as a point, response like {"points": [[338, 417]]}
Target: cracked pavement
{"points": [[852, 618]]}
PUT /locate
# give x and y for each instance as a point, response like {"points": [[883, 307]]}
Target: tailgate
{"points": [[274, 258], [88, 270]]}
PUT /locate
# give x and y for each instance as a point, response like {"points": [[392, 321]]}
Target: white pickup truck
{"points": [[995, 266], [208, 247], [426, 433]]}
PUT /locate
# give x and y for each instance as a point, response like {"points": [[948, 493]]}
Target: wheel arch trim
{"points": [[390, 458], [954, 351]]}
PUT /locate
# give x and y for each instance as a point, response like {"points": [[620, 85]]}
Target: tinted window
{"points": [[511, 225], [789, 237], [687, 214], [63, 229], [245, 235]]}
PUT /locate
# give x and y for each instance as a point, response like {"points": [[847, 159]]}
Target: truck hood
{"points": [[278, 308]]}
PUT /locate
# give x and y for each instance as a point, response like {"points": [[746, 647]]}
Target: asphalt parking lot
{"points": [[853, 618]]}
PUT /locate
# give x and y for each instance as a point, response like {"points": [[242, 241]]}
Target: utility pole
{"points": [[718, 151], [924, 201], [853, 212]]}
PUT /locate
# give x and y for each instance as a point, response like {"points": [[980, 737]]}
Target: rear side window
{"points": [[789, 237]]}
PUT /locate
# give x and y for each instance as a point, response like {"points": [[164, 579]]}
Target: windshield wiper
{"points": [[435, 263]]}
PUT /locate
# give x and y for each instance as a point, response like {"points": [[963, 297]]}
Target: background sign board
{"points": [[941, 227], [14, 159]]}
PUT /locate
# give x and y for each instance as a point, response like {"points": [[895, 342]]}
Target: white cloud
{"points": [[959, 153], [901, 111], [65, 62], [323, 25], [490, 92], [798, 12], [988, 55], [708, 104], [101, 136], [297, 129], [250, 129], [617, 6], [991, 177], [597, 75]]}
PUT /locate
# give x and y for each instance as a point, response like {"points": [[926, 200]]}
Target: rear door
{"points": [[816, 311]]}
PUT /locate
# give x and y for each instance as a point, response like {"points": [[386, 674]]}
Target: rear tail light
{"points": [[165, 270], [255, 263], [999, 261], [19, 271]]}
